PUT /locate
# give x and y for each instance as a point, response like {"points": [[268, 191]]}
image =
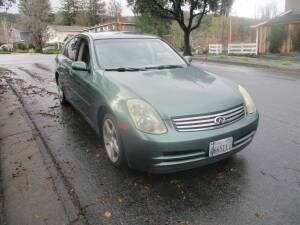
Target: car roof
{"points": [[118, 35]]}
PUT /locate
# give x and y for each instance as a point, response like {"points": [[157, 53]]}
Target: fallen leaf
{"points": [[107, 214], [220, 176], [258, 215]]}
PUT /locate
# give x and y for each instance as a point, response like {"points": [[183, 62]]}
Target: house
{"points": [[17, 35], [114, 26], [290, 23], [58, 34]]}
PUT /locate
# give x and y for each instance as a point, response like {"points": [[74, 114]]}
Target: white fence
{"points": [[215, 49], [242, 49]]}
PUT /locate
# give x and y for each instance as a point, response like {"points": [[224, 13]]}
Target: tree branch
{"points": [[192, 8], [201, 14], [167, 11]]}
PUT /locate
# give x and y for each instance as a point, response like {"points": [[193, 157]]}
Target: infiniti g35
{"points": [[152, 109]]}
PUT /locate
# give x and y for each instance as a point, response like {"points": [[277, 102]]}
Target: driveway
{"points": [[260, 185]]}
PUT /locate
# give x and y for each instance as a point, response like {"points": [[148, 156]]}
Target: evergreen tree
{"points": [[95, 10], [69, 10]]}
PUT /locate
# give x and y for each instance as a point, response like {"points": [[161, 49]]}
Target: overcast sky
{"points": [[243, 8], [247, 8]]}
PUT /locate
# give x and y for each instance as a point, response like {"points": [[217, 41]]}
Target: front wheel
{"points": [[112, 141]]}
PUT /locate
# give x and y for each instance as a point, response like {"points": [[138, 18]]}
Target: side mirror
{"points": [[79, 66], [189, 59]]}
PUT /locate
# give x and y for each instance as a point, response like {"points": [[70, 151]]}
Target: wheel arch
{"points": [[103, 109]]}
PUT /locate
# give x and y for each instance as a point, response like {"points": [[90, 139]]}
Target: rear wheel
{"points": [[112, 141], [61, 94]]}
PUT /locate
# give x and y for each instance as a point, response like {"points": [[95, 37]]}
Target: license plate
{"points": [[220, 147]]}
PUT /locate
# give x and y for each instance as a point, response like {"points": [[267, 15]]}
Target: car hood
{"points": [[180, 92]]}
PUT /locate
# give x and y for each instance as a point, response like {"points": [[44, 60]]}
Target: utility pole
{"points": [[230, 30]]}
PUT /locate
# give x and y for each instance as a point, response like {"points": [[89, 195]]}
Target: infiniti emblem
{"points": [[220, 120]]}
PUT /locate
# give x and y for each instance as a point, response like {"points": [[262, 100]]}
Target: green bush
{"points": [[31, 46], [21, 51], [277, 36], [4, 52], [32, 50], [20, 46], [205, 51]]}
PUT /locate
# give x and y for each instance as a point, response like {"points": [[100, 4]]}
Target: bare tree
{"points": [[188, 13], [5, 5], [114, 8], [268, 11], [35, 16]]}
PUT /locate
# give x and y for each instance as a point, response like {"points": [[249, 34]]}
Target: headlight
{"points": [[145, 118], [248, 100]]}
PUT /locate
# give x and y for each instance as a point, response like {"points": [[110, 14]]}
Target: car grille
{"points": [[206, 122]]}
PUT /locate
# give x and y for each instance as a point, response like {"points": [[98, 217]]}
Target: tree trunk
{"points": [[39, 44], [187, 44]]}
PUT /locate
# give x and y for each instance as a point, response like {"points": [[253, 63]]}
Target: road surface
{"points": [[260, 185]]}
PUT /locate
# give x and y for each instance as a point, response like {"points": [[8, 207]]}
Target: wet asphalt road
{"points": [[260, 185]]}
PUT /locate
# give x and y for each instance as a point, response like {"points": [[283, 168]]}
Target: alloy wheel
{"points": [[111, 140]]}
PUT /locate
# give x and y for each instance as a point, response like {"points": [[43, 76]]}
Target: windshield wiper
{"points": [[123, 69], [162, 67]]}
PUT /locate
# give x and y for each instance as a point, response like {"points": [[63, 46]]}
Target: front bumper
{"points": [[176, 151]]}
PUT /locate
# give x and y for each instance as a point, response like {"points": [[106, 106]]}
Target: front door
{"points": [[82, 80]]}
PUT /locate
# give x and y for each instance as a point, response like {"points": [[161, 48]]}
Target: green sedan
{"points": [[153, 110]]}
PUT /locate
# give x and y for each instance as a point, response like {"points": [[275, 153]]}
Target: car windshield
{"points": [[133, 54]]}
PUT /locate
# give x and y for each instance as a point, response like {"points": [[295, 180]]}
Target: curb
{"points": [[245, 64]]}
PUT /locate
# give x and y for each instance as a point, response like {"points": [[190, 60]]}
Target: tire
{"points": [[61, 93], [112, 141]]}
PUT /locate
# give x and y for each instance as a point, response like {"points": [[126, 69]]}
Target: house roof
{"points": [[284, 18], [61, 28]]}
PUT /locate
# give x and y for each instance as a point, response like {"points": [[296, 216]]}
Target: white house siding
{"points": [[58, 34]]}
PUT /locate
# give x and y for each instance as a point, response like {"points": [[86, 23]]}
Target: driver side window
{"points": [[84, 52], [71, 49]]}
